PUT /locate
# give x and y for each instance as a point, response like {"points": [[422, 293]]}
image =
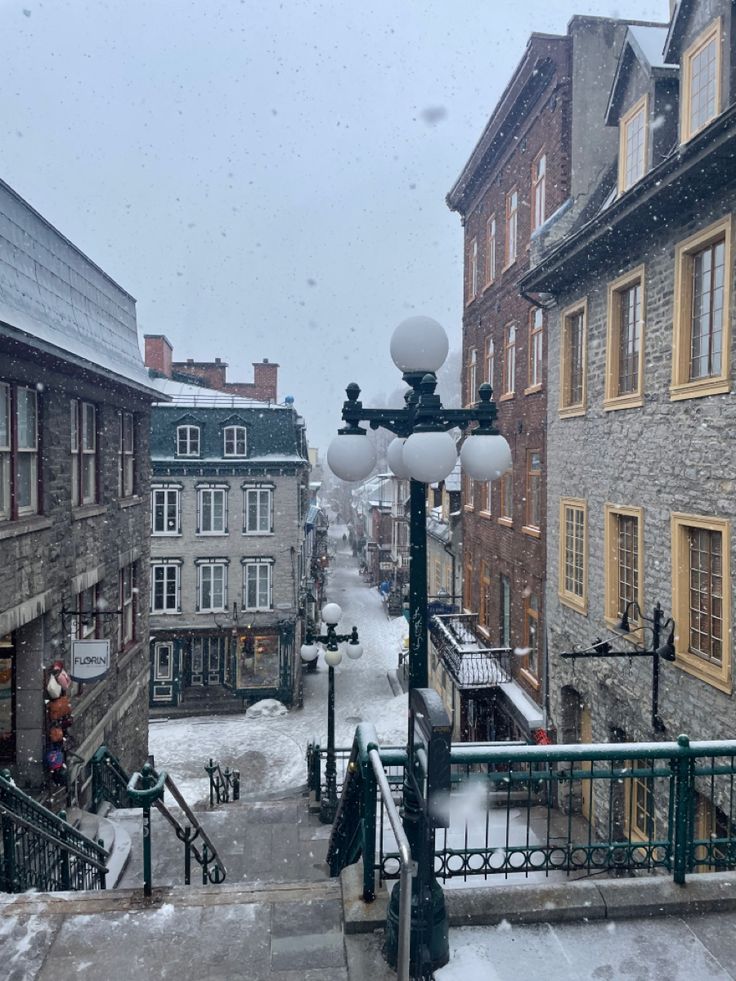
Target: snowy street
{"points": [[270, 752]]}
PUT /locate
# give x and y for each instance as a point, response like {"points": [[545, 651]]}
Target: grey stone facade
{"points": [[672, 454], [241, 643], [68, 332]]}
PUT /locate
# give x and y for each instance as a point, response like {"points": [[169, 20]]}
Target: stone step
{"points": [[113, 836]]}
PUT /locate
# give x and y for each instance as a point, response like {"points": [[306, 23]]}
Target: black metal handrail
{"points": [[224, 784], [109, 780], [465, 656]]}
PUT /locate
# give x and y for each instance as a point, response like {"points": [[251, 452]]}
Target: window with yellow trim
{"points": [[490, 250], [536, 340], [509, 360], [573, 589], [539, 182], [623, 551], [700, 363], [506, 495], [701, 82], [573, 360], [512, 215], [701, 587], [633, 145]]}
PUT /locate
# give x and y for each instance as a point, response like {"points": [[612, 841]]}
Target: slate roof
{"points": [[55, 299]]}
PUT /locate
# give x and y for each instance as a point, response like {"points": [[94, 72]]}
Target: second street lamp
{"points": [[424, 452], [332, 641]]}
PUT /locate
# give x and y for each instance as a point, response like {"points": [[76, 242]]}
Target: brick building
{"points": [[229, 504], [533, 165], [641, 468], [74, 487]]}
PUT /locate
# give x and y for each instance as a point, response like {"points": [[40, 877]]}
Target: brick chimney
{"points": [[158, 353], [265, 379]]}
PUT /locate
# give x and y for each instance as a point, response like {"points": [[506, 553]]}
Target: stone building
{"points": [[641, 469], [75, 404], [229, 502], [516, 179]]}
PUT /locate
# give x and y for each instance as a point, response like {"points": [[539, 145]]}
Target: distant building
{"points": [[75, 406], [229, 504]]}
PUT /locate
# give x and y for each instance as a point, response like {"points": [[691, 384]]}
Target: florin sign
{"points": [[90, 659]]}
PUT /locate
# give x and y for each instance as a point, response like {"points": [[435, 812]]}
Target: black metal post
{"points": [[657, 723], [328, 801], [418, 668]]}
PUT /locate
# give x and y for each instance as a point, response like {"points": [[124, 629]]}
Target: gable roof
{"points": [[642, 45]]}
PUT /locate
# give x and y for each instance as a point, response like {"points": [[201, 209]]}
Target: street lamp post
{"points": [[423, 451], [331, 642]]}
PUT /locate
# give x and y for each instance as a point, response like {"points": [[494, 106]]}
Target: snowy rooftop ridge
{"points": [[181, 393], [651, 41]]}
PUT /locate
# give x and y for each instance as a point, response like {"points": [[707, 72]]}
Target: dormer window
{"points": [[701, 82], [235, 441], [187, 440], [632, 159]]}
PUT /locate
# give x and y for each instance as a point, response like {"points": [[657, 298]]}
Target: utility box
{"points": [[431, 749]]}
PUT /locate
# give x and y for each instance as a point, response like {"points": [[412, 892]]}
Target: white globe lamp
{"points": [[419, 344], [331, 614], [354, 650], [333, 658], [309, 652], [485, 457], [430, 456], [395, 458], [351, 456]]}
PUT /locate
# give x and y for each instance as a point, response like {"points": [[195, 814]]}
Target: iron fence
{"points": [[536, 812]]}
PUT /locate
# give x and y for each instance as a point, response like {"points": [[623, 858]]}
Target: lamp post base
{"points": [[429, 943], [327, 809]]}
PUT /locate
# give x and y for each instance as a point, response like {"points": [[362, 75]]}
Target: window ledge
{"points": [[468, 507], [212, 534], [257, 534], [580, 606], [488, 285], [506, 522], [506, 397], [24, 526], [510, 265], [633, 401], [699, 389], [532, 531], [165, 534], [701, 670], [568, 411], [166, 613], [485, 514], [533, 388], [88, 511], [130, 502]]}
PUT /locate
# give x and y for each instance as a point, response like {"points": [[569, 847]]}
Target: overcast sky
{"points": [[266, 177]]}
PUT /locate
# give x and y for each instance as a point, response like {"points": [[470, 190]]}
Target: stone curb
{"points": [[710, 892]]}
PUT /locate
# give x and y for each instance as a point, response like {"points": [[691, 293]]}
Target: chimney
{"points": [[265, 380], [158, 353]]}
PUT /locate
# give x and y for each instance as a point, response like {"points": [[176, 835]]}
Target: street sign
{"points": [[90, 659], [386, 566]]}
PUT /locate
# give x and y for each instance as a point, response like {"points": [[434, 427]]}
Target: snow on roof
{"points": [[650, 41], [181, 393]]}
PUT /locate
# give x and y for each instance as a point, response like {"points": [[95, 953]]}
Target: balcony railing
{"points": [[469, 661]]}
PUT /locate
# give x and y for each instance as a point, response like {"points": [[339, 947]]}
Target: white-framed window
{"points": [[539, 182], [490, 358], [536, 343], [257, 584], [490, 249], [257, 510], [472, 269], [166, 511], [18, 451], [187, 440], [509, 360], [512, 215], [212, 511], [211, 586], [83, 427], [166, 586], [128, 594], [126, 454], [235, 441], [472, 376]]}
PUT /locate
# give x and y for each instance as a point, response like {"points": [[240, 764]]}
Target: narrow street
{"points": [[270, 752]]}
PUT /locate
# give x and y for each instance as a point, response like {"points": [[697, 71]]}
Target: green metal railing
{"points": [[40, 850], [557, 811], [224, 784], [145, 789]]}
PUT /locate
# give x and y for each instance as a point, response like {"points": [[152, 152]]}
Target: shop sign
{"points": [[90, 659]]}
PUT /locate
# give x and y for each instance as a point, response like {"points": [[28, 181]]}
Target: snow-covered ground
{"points": [[270, 751]]}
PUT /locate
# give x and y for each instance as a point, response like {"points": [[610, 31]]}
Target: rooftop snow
{"points": [[650, 41], [181, 393]]}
